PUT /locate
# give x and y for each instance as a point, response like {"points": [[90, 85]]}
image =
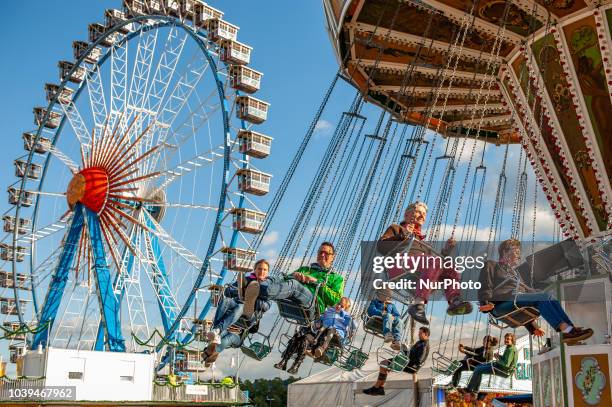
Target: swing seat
{"points": [[332, 353], [443, 365], [395, 361], [355, 360], [373, 324], [330, 357], [512, 316], [399, 362], [294, 314], [256, 350]]}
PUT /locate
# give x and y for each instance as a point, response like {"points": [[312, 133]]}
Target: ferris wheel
{"points": [[135, 190]]}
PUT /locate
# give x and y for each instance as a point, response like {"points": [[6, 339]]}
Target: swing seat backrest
{"points": [[295, 314], [443, 365], [373, 324], [398, 362], [515, 318], [356, 359]]}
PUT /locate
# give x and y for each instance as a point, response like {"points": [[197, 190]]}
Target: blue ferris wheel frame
{"points": [[111, 322]]}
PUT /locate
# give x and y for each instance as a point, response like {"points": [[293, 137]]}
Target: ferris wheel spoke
{"points": [[134, 300], [182, 205], [188, 166], [136, 98], [170, 242], [78, 125], [43, 232], [63, 158], [118, 75], [175, 102], [97, 100], [188, 129], [164, 72]]}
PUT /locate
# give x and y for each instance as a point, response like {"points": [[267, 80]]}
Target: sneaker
{"points": [[250, 297], [388, 337], [459, 307], [318, 352], [396, 345], [417, 312], [576, 335], [293, 369], [374, 391], [282, 365]]}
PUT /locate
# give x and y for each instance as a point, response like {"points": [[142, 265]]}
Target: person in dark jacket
{"points": [[414, 218], [303, 338], [502, 287], [417, 355], [474, 357]]}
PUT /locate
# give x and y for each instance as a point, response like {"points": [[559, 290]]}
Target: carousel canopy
{"points": [[532, 72]]}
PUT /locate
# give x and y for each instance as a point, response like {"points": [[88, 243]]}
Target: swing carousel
{"points": [[534, 74], [480, 110]]}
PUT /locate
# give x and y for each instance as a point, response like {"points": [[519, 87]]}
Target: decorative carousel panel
{"points": [[549, 61], [546, 131], [584, 49]]}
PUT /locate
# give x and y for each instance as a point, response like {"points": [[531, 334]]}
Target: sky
{"points": [[298, 62]]}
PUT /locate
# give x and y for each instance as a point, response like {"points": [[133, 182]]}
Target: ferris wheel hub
{"points": [[89, 187]]}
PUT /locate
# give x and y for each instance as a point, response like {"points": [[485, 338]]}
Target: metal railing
{"points": [[200, 393]]}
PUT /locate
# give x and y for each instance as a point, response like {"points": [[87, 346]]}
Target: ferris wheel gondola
{"points": [[149, 139]]}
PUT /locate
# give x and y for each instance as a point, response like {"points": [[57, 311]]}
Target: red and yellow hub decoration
{"points": [[109, 181], [90, 187]]}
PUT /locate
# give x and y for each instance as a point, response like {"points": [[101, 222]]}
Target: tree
{"points": [[268, 392]]}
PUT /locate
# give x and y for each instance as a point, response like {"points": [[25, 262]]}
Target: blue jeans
{"points": [[228, 311], [549, 307], [391, 322], [479, 371], [229, 340], [289, 290]]}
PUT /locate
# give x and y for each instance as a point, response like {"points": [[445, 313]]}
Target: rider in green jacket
{"points": [[301, 285]]}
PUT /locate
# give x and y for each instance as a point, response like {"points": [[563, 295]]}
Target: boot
{"points": [[296, 365], [282, 365]]}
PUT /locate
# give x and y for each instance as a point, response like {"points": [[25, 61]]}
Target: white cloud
{"points": [[270, 238], [323, 128]]}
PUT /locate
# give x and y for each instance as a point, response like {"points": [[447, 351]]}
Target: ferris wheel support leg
{"points": [[59, 279], [127, 259], [99, 345], [109, 305], [168, 307]]}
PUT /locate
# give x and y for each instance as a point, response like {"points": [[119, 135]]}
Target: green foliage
{"points": [[262, 389]]}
